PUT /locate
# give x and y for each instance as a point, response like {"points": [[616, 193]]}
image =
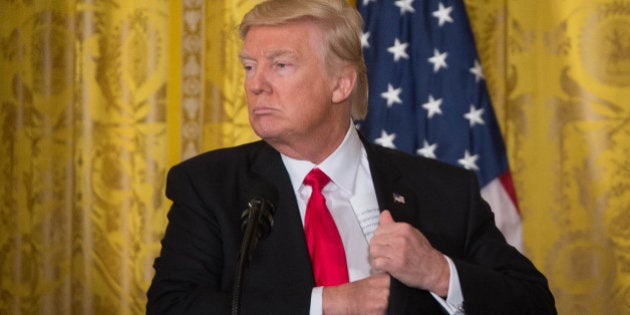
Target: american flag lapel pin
{"points": [[398, 198]]}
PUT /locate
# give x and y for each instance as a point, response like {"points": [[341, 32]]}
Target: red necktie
{"points": [[324, 242]]}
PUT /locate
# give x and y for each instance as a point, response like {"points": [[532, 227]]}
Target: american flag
{"points": [[428, 95]]}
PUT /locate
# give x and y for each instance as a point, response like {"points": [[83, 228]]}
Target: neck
{"points": [[314, 149]]}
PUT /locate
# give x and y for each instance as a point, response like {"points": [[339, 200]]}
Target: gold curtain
{"points": [[99, 98], [84, 127], [559, 74]]}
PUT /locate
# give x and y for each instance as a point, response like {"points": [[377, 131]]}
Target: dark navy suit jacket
{"points": [[194, 272]]}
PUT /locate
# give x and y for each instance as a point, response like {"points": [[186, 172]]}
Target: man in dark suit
{"points": [[416, 236]]}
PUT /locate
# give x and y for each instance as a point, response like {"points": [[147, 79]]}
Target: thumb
{"points": [[386, 218]]}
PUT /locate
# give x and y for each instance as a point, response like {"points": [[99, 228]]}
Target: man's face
{"points": [[289, 92]]}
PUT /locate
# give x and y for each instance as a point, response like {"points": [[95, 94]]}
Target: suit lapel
{"points": [[392, 194], [285, 249]]}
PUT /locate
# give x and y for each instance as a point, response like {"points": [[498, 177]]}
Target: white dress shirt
{"points": [[351, 199]]}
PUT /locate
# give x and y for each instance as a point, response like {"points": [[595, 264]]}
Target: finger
{"points": [[379, 264], [386, 218], [380, 257]]}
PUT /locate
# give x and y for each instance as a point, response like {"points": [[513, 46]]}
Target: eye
{"points": [[248, 67], [283, 67]]}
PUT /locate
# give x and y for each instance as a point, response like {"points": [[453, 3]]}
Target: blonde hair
{"points": [[341, 24]]}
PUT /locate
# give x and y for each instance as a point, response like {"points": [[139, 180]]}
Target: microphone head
{"points": [[261, 207]]}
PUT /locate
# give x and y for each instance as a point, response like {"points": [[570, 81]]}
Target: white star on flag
{"points": [[433, 106], [438, 60], [405, 6], [428, 150], [399, 50], [443, 15], [474, 116], [469, 162], [386, 140], [365, 40], [477, 71], [392, 95]]}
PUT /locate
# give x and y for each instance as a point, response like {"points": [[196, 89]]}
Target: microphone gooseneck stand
{"points": [[257, 220]]}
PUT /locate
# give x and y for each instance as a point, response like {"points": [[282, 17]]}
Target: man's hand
{"points": [[404, 252], [367, 296]]}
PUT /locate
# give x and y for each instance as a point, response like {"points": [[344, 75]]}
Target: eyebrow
{"points": [[270, 55]]}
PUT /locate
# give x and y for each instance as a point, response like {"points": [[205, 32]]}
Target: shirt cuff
{"points": [[454, 303], [316, 301]]}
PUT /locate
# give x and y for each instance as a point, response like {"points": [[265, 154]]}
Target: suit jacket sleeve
{"points": [[188, 277], [495, 277]]}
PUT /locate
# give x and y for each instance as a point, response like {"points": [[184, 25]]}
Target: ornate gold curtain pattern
{"points": [[214, 109], [226, 122], [98, 99], [559, 74], [84, 142]]}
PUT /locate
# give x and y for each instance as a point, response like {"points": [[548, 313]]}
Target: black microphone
{"points": [[256, 223]]}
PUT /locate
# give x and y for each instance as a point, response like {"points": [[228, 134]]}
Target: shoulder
{"points": [[406, 163], [428, 177], [217, 169], [221, 165], [221, 158]]}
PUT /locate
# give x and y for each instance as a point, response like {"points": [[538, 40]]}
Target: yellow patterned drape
{"points": [[213, 102], [559, 74], [84, 124], [99, 98]]}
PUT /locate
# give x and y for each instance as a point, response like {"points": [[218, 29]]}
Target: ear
{"points": [[345, 80]]}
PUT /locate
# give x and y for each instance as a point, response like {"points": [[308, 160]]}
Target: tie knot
{"points": [[316, 179]]}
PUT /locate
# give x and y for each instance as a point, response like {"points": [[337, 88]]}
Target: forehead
{"points": [[300, 37]]}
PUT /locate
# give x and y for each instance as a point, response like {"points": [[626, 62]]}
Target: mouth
{"points": [[263, 110]]}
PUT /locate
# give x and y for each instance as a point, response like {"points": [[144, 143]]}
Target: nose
{"points": [[257, 81]]}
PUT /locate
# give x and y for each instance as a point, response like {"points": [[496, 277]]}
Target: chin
{"points": [[268, 127], [266, 131]]}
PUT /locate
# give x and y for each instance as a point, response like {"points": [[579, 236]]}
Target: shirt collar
{"points": [[341, 166]]}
